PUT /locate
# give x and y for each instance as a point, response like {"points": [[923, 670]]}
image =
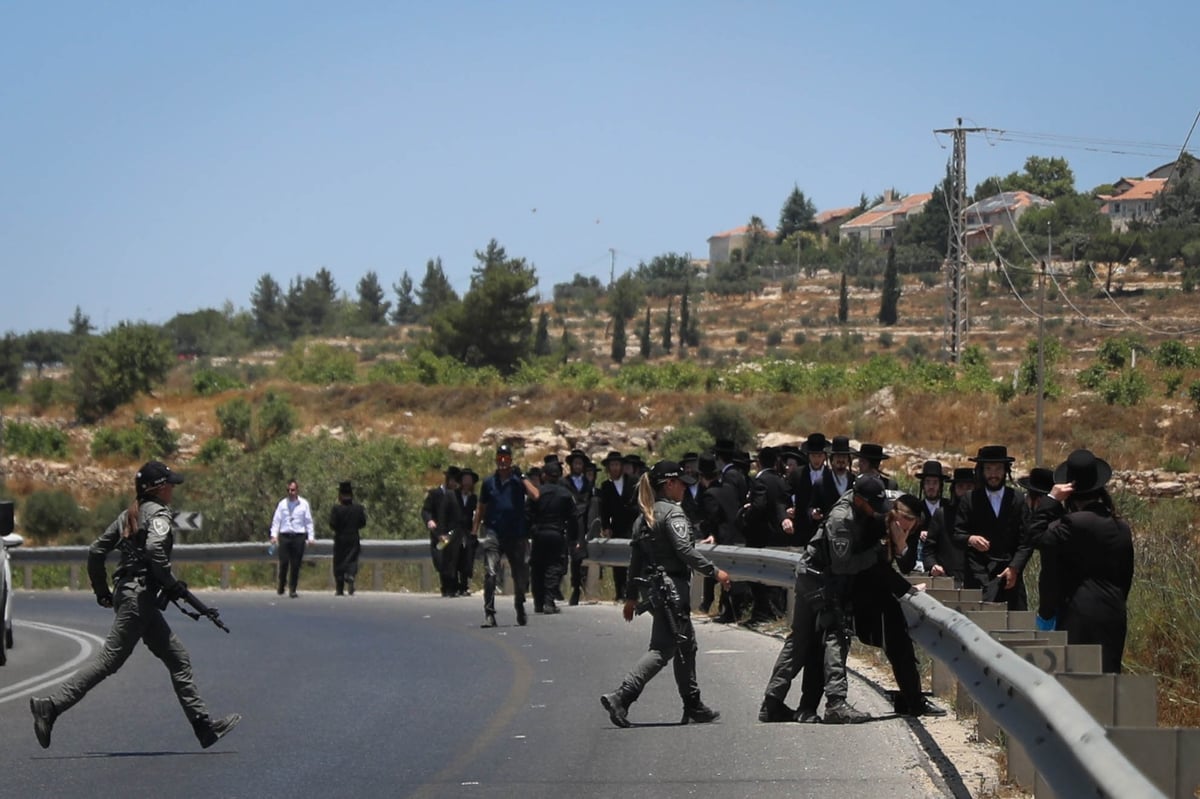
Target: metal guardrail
{"points": [[1067, 746]]}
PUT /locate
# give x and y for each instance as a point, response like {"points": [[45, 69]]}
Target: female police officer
{"points": [[143, 534], [662, 539]]}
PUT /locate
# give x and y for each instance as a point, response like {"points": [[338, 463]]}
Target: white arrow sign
{"points": [[189, 520]]}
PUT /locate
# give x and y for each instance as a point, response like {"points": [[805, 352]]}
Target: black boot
{"points": [[44, 715], [211, 732], [773, 710], [618, 712], [695, 710], [574, 600]]}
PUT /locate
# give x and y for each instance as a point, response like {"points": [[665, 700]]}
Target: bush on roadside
{"points": [[46, 515], [34, 440]]}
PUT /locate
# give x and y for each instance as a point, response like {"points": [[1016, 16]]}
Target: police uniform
{"points": [[669, 541], [553, 513], [144, 571]]}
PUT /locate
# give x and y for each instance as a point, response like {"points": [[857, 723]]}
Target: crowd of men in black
{"points": [[837, 505]]}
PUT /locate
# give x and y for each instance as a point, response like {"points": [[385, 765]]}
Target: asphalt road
{"points": [[405, 696]]}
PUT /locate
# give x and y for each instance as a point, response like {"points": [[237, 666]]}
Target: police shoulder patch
{"points": [[160, 525], [840, 546], [681, 528]]}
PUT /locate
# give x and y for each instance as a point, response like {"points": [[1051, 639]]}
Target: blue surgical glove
{"points": [[1046, 624]]}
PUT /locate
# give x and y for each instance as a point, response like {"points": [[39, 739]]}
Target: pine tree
{"points": [[267, 309], [843, 302], [81, 323], [666, 329], [618, 338], [888, 310], [406, 310], [646, 334], [435, 292], [684, 319], [541, 339], [372, 307]]}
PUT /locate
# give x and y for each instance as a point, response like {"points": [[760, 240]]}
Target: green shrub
{"points": [[742, 336], [214, 450], [34, 440], [44, 392], [529, 374], [799, 338], [1093, 377], [1194, 393], [276, 418], [48, 514], [774, 338], [1173, 354], [130, 442], [1116, 352], [685, 438], [319, 364], [235, 419], [163, 441], [394, 372], [207, 382], [1126, 389], [886, 339], [721, 419], [1172, 381], [580, 375], [1177, 464]]}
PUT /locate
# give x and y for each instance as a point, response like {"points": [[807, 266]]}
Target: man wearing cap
{"points": [[1079, 522], [581, 490], [848, 543], [1036, 485], [442, 513], [143, 534], [501, 517], [943, 555], [291, 529], [618, 509], [992, 524], [662, 538], [553, 513], [346, 519]]}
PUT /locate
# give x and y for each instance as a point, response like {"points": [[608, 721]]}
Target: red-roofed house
{"points": [[722, 245], [999, 212], [878, 224], [828, 222], [1135, 200]]}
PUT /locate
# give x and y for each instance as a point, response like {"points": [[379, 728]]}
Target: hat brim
{"points": [[1008, 459], [1103, 475], [1026, 484]]}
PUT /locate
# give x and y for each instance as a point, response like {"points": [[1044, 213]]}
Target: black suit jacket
{"points": [[445, 508], [940, 547], [719, 507], [769, 501], [618, 512], [1007, 534]]}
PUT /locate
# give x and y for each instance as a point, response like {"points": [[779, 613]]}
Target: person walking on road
{"points": [[662, 540], [143, 534], [291, 529], [346, 520]]}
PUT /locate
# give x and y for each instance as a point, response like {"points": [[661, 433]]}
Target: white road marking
{"points": [[88, 644]]}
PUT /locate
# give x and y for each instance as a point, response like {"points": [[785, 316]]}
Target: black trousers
{"points": [[546, 559], [879, 622], [291, 554], [345, 562]]}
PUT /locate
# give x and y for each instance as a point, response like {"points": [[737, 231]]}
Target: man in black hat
{"points": [[581, 490], [932, 480], [719, 508], [771, 525], [618, 510], [943, 555], [870, 461], [691, 497], [553, 513], [1038, 484], [442, 513], [838, 478], [346, 520], [466, 558], [806, 485], [500, 516], [726, 453], [992, 524]]}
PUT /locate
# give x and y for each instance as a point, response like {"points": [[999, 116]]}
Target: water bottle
{"points": [[271, 549]]}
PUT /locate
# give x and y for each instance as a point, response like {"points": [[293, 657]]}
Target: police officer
{"points": [[662, 537], [143, 534], [552, 515]]}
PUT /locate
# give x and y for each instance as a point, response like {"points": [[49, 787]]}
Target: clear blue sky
{"points": [[158, 157]]}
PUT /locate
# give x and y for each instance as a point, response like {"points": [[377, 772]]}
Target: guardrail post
{"points": [[376, 576], [226, 569], [426, 581], [73, 579], [28, 569]]}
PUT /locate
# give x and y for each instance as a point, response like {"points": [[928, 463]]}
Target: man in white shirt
{"points": [[291, 529]]}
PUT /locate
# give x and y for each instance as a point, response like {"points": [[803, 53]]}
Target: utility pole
{"points": [[956, 271], [612, 266], [1041, 367]]}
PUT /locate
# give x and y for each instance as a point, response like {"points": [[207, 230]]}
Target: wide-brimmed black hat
{"points": [[993, 453], [872, 452], [789, 452], [706, 465], [551, 458], [635, 459], [688, 457], [816, 442], [665, 470], [1038, 481], [963, 474], [767, 457], [345, 488], [1083, 470], [741, 458], [469, 471], [841, 446], [552, 469], [724, 447], [931, 469], [578, 453], [453, 473], [612, 455]]}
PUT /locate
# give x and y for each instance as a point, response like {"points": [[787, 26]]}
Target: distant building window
{"points": [[1116, 209]]}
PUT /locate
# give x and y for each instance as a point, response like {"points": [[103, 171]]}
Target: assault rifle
{"points": [[660, 595], [199, 608]]}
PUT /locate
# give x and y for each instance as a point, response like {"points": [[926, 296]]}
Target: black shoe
{"points": [[522, 619], [726, 618], [773, 711], [842, 712], [550, 610], [804, 716], [618, 713], [705, 607], [44, 715], [699, 713], [489, 621], [218, 730], [925, 708], [350, 588], [279, 591], [338, 593], [574, 600], [538, 609], [293, 594]]}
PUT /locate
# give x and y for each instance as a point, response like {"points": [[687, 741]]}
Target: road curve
{"points": [[405, 696]]}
